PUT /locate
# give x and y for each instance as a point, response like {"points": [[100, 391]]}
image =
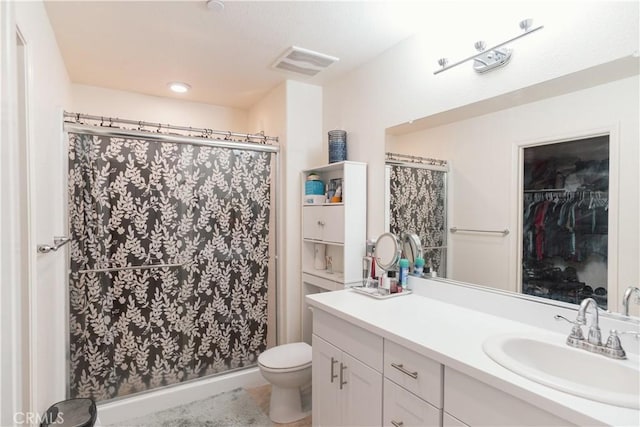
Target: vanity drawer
{"points": [[413, 371], [359, 343], [402, 408], [475, 403]]}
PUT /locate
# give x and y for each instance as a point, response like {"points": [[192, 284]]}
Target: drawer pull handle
{"points": [[321, 223], [333, 375], [401, 368], [397, 423], [342, 368]]}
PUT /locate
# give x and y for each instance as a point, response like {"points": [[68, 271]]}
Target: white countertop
{"points": [[453, 335]]}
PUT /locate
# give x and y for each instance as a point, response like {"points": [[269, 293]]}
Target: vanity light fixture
{"points": [[493, 57], [178, 87]]}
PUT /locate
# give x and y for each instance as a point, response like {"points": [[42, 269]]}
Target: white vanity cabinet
{"points": [[470, 402], [347, 377], [429, 357], [412, 388], [340, 228], [359, 378]]}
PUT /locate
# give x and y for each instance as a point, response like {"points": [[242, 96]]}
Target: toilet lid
{"points": [[286, 356]]}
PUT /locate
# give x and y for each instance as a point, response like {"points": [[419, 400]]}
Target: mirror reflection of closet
{"points": [[565, 220]]}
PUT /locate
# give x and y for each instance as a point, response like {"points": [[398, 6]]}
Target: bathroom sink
{"points": [[548, 361]]}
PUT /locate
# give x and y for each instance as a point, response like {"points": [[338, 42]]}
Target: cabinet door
{"points": [[333, 218], [312, 222], [325, 394], [402, 408], [361, 393]]}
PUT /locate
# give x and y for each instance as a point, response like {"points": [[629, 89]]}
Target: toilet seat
{"points": [[287, 357]]}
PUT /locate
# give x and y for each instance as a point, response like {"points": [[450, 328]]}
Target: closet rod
{"points": [[110, 121], [562, 190], [470, 230]]}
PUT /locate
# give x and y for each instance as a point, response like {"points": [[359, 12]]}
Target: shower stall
{"points": [[172, 260], [416, 202]]}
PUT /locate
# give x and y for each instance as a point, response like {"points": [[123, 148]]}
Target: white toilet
{"points": [[287, 367]]}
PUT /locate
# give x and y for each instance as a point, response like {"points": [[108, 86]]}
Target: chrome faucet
{"points": [[593, 343], [627, 295], [595, 336]]}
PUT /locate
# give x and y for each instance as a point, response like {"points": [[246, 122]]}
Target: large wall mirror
{"points": [[547, 189]]}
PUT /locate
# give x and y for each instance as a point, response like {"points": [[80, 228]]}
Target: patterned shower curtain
{"points": [[134, 202], [418, 205]]}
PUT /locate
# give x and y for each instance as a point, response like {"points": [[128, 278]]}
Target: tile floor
{"points": [[262, 394]]}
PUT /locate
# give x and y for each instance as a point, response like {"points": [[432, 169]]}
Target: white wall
{"points": [[482, 151], [269, 115], [399, 86], [134, 106], [293, 112], [303, 150]]}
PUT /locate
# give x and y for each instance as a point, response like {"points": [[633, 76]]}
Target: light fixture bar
{"points": [[489, 49]]}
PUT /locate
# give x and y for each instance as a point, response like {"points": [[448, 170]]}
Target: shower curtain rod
{"points": [[416, 161], [164, 137], [109, 122]]}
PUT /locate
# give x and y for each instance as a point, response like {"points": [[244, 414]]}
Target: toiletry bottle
{"points": [[393, 283], [404, 272], [432, 271], [418, 267], [385, 282]]}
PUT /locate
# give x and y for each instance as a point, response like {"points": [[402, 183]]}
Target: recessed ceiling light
{"points": [[179, 87]]}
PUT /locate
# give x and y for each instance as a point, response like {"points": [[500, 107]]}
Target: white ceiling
{"points": [[226, 55]]}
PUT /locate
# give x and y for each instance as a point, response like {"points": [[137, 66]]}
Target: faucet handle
{"points": [[614, 346], [576, 330], [613, 342]]}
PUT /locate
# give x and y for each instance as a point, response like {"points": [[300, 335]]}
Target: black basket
{"points": [[72, 412]]}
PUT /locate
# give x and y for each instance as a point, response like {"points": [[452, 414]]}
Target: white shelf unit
{"points": [[341, 227]]}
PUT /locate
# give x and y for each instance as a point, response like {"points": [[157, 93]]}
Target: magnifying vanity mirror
{"points": [[411, 248], [387, 251]]}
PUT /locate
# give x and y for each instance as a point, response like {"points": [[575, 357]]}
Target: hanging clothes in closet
{"points": [[561, 230]]}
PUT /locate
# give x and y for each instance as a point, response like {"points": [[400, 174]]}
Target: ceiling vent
{"points": [[303, 61]]}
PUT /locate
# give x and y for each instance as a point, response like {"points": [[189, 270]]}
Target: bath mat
{"points": [[230, 409]]}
